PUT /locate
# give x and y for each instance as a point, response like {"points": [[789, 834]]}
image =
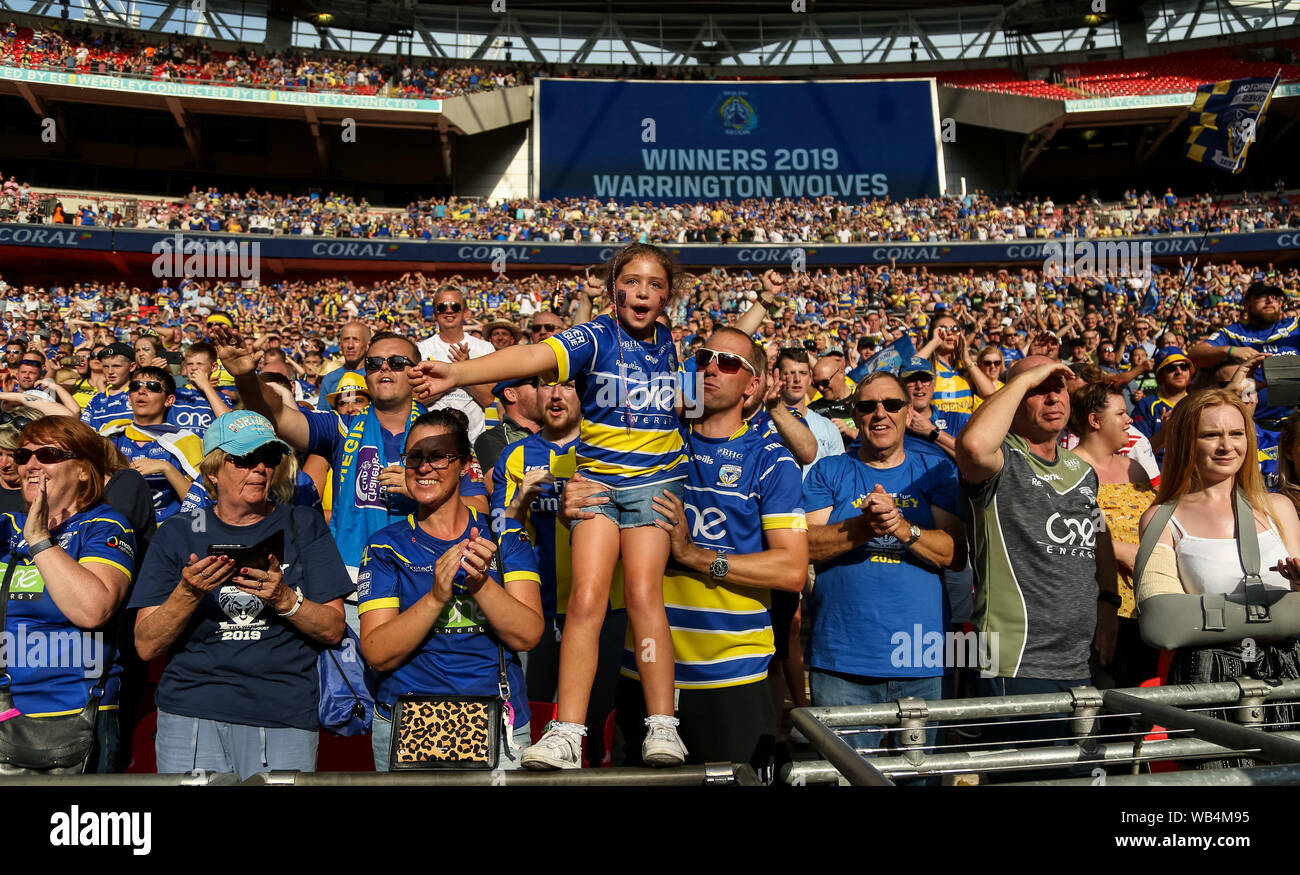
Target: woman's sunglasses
{"points": [[891, 405], [991, 363], [438, 461], [44, 455], [728, 362], [269, 455], [395, 363]]}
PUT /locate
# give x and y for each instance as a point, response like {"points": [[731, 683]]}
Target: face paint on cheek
{"points": [[621, 297]]}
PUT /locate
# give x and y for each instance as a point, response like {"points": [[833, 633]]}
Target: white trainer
{"points": [[662, 746], [557, 749]]}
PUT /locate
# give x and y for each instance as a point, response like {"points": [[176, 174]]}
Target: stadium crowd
{"points": [[168, 59], [439, 465], [974, 217]]}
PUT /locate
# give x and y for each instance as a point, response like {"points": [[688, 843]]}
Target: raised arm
{"points": [[979, 446], [239, 359]]}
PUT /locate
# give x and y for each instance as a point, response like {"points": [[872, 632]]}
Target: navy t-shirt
{"points": [[237, 661]]}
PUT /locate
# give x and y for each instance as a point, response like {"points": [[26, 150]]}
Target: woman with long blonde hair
{"points": [[1211, 454]]}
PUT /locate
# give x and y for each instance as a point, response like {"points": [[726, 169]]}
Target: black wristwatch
{"points": [[1110, 598], [933, 437], [720, 566]]}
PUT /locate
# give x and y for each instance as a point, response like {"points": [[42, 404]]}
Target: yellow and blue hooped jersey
{"points": [[951, 390], [737, 488], [629, 435]]}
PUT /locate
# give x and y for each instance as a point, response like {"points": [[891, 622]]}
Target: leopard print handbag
{"points": [[446, 732]]}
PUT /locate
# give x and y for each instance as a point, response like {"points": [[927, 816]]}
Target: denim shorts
{"points": [[633, 507]]}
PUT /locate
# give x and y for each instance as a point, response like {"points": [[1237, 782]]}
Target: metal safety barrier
{"points": [[711, 775], [1067, 731]]}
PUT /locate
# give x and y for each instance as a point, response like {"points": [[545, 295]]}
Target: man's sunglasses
{"points": [[891, 405], [728, 362], [44, 455], [269, 455], [447, 307], [438, 461], [545, 326], [1177, 366], [395, 363], [151, 385]]}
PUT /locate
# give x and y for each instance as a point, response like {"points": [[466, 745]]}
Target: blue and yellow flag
{"points": [[1224, 119]]}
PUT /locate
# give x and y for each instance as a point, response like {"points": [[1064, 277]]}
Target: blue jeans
{"points": [[381, 738], [830, 688], [184, 744], [632, 508]]}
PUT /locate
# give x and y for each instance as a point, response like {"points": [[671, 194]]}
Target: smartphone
{"points": [[256, 557]]}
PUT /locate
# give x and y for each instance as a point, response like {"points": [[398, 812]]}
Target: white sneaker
{"points": [[662, 746], [557, 749]]}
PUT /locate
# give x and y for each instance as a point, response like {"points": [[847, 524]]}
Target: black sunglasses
{"points": [[728, 362], [18, 422], [33, 362], [44, 455], [545, 326], [395, 363], [270, 455], [891, 405], [447, 307], [438, 461], [151, 385]]}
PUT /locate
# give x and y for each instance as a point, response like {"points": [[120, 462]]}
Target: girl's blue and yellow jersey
{"points": [[630, 434], [951, 390]]}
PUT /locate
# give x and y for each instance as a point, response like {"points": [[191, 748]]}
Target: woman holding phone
{"points": [[243, 625]]}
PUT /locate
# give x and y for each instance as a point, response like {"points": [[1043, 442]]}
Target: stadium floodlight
{"points": [[324, 18]]}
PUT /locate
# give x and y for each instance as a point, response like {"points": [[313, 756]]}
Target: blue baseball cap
{"points": [[239, 432], [1167, 355], [915, 365]]}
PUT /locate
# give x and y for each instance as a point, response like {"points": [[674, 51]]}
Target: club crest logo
{"points": [[737, 115], [241, 607], [729, 475]]}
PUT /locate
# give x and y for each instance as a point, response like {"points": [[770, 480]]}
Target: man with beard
{"points": [[1263, 330], [1173, 376]]}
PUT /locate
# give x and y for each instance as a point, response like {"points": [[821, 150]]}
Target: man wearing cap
{"points": [[354, 340], [926, 422], [1173, 376], [112, 405], [520, 419], [1263, 330]]}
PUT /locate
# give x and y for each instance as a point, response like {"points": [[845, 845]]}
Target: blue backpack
{"points": [[346, 706]]}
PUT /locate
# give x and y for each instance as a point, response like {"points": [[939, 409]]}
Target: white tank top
{"points": [[1213, 565]]}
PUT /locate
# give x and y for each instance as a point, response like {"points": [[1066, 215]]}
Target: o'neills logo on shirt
{"points": [[1073, 536]]}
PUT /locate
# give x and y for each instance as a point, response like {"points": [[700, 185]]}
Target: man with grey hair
{"points": [[354, 340]]}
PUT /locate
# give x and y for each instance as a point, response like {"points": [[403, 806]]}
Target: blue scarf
{"points": [[361, 508]]}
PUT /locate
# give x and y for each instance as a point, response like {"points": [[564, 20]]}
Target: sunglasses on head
{"points": [[394, 362], [270, 455], [151, 385], [447, 307], [891, 405], [44, 455], [32, 363], [18, 422], [438, 461], [728, 362]]}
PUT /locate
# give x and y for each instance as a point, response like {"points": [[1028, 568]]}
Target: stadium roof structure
{"points": [[791, 34]]}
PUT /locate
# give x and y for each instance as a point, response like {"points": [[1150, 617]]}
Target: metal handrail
{"points": [[712, 774]]}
